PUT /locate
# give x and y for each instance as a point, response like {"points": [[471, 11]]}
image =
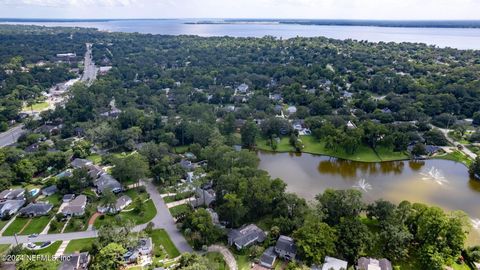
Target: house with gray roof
{"points": [[77, 261], [49, 191], [68, 198], [35, 209], [119, 205], [334, 264], [95, 171], [268, 258], [12, 194], [286, 248], [80, 163], [76, 207], [107, 182], [246, 236], [373, 264], [10, 207], [204, 196], [145, 246]]}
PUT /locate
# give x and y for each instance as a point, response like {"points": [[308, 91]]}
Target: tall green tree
{"points": [[249, 134], [131, 168], [109, 257], [315, 240]]}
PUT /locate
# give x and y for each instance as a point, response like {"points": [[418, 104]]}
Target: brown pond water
{"points": [[434, 182]]}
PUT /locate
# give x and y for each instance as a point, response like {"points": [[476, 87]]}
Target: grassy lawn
{"points": [[79, 245], [181, 149], [179, 209], [36, 107], [243, 262], [3, 223], [36, 225], [4, 247], [161, 237], [149, 214], [178, 197], [313, 146], [386, 154], [50, 250], [16, 226], [456, 156], [55, 199], [217, 261], [95, 158]]}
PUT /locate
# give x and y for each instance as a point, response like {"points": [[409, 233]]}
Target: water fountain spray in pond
{"points": [[363, 185], [435, 175], [476, 223]]}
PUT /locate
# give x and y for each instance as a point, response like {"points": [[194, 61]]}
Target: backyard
{"points": [[314, 146]]}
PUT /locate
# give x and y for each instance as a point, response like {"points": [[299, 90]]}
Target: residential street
{"points": [[162, 220], [465, 150], [90, 70], [11, 136]]}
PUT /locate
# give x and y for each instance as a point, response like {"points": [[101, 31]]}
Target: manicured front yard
{"points": [[3, 223], [36, 225], [79, 245], [178, 197], [161, 237], [179, 210], [50, 250], [243, 262], [150, 213], [16, 226], [316, 147]]}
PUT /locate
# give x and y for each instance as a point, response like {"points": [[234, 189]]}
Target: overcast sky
{"points": [[312, 9]]}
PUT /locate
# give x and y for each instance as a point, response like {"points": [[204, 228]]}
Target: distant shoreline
{"points": [[373, 23], [319, 22]]}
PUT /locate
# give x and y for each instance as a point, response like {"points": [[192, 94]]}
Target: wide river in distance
{"points": [[460, 38], [441, 183]]}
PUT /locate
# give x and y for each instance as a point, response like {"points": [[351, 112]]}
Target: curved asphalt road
{"points": [[11, 136], [163, 220]]}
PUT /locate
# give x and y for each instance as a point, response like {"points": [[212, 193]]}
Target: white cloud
{"points": [[311, 9]]}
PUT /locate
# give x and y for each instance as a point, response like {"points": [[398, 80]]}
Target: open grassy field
{"points": [[313, 146], [161, 237], [79, 245]]}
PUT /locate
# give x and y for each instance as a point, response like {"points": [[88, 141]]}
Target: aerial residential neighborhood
{"points": [[258, 141]]}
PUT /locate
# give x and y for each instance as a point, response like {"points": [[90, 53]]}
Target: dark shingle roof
{"points": [[286, 244]]}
